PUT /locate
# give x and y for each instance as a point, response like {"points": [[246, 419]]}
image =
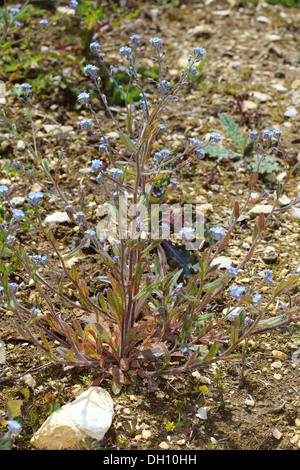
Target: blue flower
{"points": [[268, 277], [39, 259], [96, 165], [3, 190], [193, 71], [14, 426], [117, 173], [233, 315], [125, 52], [91, 71], [231, 271], [10, 239], [14, 10], [157, 43], [257, 299], [135, 38], [26, 88], [95, 47], [161, 128], [161, 155], [253, 135], [35, 197], [187, 233], [100, 179], [43, 23], [199, 53], [267, 135], [237, 292], [179, 288], [218, 233], [13, 287], [215, 137], [18, 214], [277, 134], [74, 4], [90, 233], [85, 123], [200, 153], [103, 148], [83, 97]]}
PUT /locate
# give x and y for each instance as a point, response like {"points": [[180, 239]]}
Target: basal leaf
{"points": [[231, 128]]}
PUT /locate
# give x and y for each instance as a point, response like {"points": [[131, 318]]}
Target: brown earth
{"points": [[244, 55]]}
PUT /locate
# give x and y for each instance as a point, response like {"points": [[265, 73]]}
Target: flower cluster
{"points": [[218, 233], [157, 43], [161, 156], [83, 97], [35, 197], [91, 71], [125, 52], [237, 291]]}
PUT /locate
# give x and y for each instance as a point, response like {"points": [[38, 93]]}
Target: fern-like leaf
{"points": [[231, 128]]}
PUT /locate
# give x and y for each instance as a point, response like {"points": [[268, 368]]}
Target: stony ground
{"points": [[251, 72]]}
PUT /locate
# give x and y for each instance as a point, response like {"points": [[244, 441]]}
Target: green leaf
{"points": [[212, 352], [113, 303], [14, 408], [211, 286], [102, 333], [127, 142], [231, 128], [281, 286], [173, 280], [205, 316], [220, 153]]}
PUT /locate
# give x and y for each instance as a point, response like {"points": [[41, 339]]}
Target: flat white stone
{"points": [[256, 210], [279, 87], [90, 415], [263, 19], [295, 212], [248, 105], [202, 413], [291, 112], [262, 97], [223, 261], [221, 12], [57, 217], [17, 201]]}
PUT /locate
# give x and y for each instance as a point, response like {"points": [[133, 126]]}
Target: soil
{"points": [[259, 410]]}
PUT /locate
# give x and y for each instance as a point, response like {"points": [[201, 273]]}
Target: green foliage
{"points": [[245, 157]]}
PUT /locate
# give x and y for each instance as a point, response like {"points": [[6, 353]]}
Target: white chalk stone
{"points": [[57, 217], [90, 415]]}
